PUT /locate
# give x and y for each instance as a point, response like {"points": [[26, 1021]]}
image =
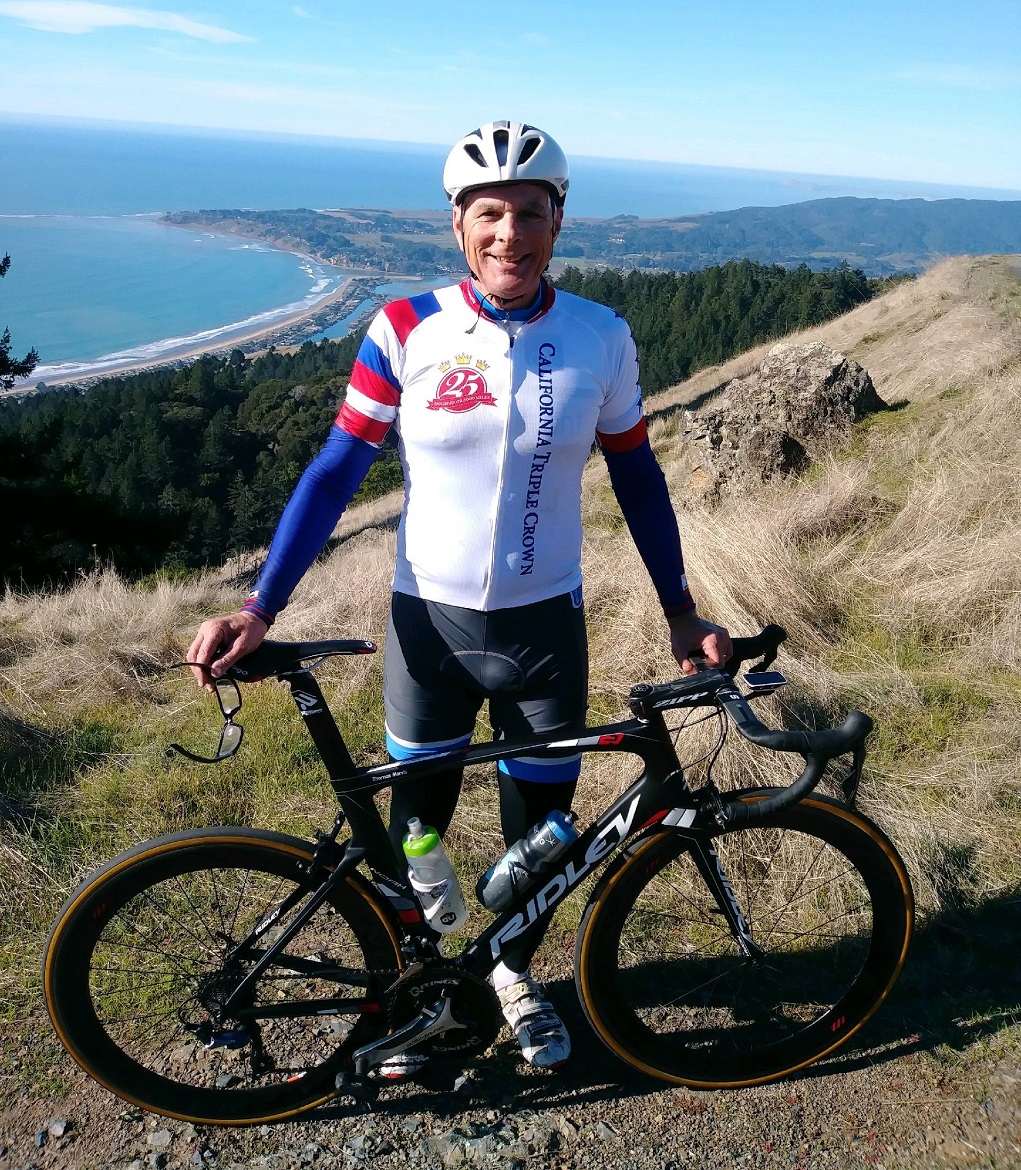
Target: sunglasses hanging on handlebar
{"points": [[228, 696]]}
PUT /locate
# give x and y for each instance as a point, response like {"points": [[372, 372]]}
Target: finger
{"points": [[709, 649], [238, 643], [223, 662], [203, 650]]}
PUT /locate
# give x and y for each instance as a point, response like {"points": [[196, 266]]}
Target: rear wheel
{"points": [[663, 982], [140, 961]]}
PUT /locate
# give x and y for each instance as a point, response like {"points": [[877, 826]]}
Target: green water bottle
{"points": [[433, 878]]}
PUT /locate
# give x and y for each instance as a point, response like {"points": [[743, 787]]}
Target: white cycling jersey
{"points": [[495, 421]]}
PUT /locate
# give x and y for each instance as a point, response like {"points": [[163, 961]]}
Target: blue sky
{"points": [[881, 88]]}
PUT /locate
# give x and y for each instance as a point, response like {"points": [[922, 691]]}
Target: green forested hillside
{"points": [[683, 321], [880, 236], [181, 468], [164, 469]]}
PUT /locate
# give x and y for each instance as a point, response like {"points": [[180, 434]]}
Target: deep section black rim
{"points": [[667, 989], [135, 966]]}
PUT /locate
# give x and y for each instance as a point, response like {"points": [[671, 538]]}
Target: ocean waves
{"points": [[202, 341], [94, 295]]}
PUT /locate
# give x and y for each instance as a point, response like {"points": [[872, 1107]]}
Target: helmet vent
{"points": [[527, 150], [500, 140], [473, 152]]}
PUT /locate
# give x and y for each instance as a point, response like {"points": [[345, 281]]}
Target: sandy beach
{"points": [[189, 349]]}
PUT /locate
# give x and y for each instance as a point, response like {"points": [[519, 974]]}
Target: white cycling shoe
{"points": [[540, 1031]]}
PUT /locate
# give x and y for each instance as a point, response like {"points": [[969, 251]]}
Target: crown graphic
{"points": [[444, 366], [463, 359], [481, 365]]}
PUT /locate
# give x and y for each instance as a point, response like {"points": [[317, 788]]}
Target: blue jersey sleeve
{"points": [[323, 492], [640, 487]]}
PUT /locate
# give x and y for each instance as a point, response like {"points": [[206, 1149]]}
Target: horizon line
{"points": [[242, 134]]}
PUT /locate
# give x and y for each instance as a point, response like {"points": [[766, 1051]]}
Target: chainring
{"points": [[473, 1003]]}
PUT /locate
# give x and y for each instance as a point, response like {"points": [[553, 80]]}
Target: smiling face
{"points": [[507, 232]]}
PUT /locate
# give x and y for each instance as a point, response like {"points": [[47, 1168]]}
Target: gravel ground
{"points": [[945, 1095]]}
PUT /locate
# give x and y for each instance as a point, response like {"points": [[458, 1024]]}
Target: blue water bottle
{"points": [[525, 860]]}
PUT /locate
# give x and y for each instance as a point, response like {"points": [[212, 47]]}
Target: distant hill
{"points": [[882, 237]]}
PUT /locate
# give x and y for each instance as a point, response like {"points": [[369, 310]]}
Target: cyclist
{"points": [[497, 387]]}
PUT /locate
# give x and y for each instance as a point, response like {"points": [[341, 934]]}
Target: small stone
{"points": [[130, 1115], [137, 1164], [411, 1124], [161, 1139], [482, 1147], [40, 1138], [568, 1128], [265, 1131], [58, 1127], [195, 1161], [605, 1132]]}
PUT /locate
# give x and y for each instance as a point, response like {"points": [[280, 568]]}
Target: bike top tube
{"points": [[645, 735]]}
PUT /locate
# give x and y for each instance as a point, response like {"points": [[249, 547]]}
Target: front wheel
{"points": [[148, 949], [667, 987]]}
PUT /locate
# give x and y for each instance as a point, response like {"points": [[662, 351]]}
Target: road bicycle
{"points": [[239, 976]]}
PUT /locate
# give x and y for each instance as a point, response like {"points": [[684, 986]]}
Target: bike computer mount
{"points": [[763, 682]]}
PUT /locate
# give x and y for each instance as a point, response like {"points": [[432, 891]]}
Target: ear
{"points": [[558, 219], [457, 225]]}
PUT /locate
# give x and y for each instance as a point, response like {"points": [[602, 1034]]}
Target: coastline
{"points": [[287, 325], [285, 329]]}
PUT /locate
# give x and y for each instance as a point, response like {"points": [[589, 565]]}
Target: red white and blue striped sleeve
{"points": [[374, 392]]}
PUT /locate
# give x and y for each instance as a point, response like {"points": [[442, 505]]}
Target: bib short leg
{"points": [[442, 662]]}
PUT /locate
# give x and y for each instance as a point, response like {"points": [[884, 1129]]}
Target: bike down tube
{"points": [[641, 804]]}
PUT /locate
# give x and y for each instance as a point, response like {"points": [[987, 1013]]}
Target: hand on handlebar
{"points": [[690, 634], [220, 642]]}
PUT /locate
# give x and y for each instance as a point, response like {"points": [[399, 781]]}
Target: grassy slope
{"points": [[895, 567]]}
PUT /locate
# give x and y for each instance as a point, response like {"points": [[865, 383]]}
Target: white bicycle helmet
{"points": [[505, 152]]}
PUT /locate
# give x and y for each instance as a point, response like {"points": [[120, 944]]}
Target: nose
{"points": [[508, 228]]}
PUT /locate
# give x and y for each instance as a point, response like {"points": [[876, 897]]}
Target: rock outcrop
{"points": [[774, 421]]}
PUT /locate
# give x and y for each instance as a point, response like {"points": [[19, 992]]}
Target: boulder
{"points": [[800, 402]]}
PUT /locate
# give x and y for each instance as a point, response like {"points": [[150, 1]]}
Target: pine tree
{"points": [[11, 368]]}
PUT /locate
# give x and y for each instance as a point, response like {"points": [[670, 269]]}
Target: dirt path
{"points": [[935, 1084]]}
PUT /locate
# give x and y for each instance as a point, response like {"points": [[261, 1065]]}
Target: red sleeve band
{"points": [[625, 441]]}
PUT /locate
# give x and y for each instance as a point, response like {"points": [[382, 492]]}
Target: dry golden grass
{"points": [[895, 566]]}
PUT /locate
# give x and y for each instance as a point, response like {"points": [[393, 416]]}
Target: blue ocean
{"points": [[92, 274]]}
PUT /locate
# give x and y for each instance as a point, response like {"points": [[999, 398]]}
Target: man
{"points": [[498, 388]]}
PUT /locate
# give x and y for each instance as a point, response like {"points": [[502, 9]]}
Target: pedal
{"points": [[362, 1093]]}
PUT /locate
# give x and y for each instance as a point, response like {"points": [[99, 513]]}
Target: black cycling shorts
{"points": [[442, 662]]}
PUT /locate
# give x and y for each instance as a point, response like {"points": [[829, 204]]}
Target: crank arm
{"points": [[435, 1020]]}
